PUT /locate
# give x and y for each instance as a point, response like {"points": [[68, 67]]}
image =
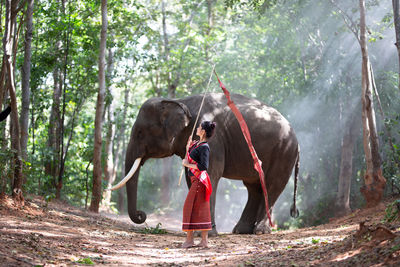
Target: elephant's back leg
{"points": [[248, 219], [279, 170], [277, 174]]}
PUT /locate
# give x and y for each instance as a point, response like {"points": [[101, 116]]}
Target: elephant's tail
{"points": [[294, 212]]}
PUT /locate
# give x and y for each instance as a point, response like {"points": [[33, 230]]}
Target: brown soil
{"points": [[57, 234]]}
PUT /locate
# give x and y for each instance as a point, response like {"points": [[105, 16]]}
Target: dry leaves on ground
{"points": [[58, 234]]}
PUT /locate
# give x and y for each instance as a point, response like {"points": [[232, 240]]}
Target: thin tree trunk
{"points": [[165, 179], [210, 16], [11, 12], [388, 131], [121, 195], [108, 168], [87, 184], [33, 121], [52, 162], [2, 82], [171, 94], [374, 181], [64, 154], [96, 189], [51, 166], [396, 16], [109, 176], [346, 165], [171, 89], [26, 74], [17, 30], [60, 137]]}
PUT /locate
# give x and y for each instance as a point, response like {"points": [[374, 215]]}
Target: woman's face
{"points": [[200, 132]]}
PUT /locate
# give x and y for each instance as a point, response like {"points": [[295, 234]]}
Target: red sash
{"points": [[201, 175]]}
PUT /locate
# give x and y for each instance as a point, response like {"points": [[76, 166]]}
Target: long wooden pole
{"points": [[197, 118]]}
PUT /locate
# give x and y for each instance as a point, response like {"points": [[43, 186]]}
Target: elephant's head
{"points": [[160, 129]]}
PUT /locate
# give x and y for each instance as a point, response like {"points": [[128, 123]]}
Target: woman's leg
{"points": [[189, 240], [204, 239]]}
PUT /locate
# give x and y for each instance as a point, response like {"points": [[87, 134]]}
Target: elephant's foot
{"points": [[213, 232], [262, 228], [243, 228]]}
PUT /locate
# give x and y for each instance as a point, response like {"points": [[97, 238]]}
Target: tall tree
{"points": [[352, 129], [12, 9], [54, 138], [374, 181], [109, 176], [25, 79], [121, 135], [396, 16], [97, 170]]}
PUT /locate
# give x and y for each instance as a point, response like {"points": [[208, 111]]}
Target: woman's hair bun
{"points": [[209, 127]]}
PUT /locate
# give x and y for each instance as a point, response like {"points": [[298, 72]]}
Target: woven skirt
{"points": [[196, 210]]}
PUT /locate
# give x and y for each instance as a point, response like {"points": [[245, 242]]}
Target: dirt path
{"points": [[59, 235]]}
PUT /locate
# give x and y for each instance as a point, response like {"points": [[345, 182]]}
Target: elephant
{"points": [[162, 128]]}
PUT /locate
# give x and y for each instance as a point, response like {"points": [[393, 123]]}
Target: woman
{"points": [[196, 210]]}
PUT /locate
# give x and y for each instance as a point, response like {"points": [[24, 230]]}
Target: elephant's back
{"points": [[272, 135], [264, 122]]}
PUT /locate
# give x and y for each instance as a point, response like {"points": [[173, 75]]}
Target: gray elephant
{"points": [[162, 129]]}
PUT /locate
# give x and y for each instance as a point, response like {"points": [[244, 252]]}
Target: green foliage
{"points": [[315, 240], [87, 261], [259, 5], [154, 230], [392, 211]]}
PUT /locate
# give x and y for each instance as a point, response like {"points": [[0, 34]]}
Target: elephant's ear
{"points": [[175, 116]]}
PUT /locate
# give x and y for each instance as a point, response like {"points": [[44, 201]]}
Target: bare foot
{"points": [[187, 244], [203, 244]]}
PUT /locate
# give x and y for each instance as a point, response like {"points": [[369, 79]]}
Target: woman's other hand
{"points": [[185, 162]]}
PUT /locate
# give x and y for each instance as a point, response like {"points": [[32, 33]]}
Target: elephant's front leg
{"points": [[214, 183], [248, 219]]}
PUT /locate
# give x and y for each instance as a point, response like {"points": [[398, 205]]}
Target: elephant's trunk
{"points": [[137, 216]]}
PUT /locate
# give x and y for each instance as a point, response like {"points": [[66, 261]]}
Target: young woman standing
{"points": [[196, 210]]}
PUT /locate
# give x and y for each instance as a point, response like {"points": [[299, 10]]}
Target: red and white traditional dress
{"points": [[196, 210]]}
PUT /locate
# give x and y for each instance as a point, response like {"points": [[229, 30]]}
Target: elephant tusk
{"points": [[128, 176]]}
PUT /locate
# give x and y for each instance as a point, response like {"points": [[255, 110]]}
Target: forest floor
{"points": [[56, 234]]}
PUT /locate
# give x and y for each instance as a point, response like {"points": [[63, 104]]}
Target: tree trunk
{"points": [[346, 165], [63, 150], [109, 163], [374, 181], [396, 16], [165, 179], [123, 152], [51, 166], [3, 90], [210, 15], [109, 175], [171, 94], [26, 75], [11, 12], [96, 189], [388, 131]]}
